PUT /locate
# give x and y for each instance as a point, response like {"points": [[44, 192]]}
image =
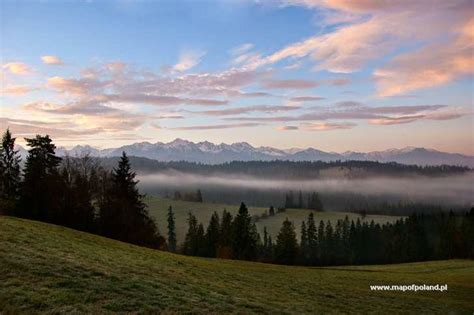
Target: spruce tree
{"points": [[10, 172], [225, 236], [286, 248], [123, 214], [191, 239], [41, 182], [244, 245], [312, 239], [304, 248], [212, 235], [171, 230]]}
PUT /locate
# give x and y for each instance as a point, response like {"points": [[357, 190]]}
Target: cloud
{"points": [[17, 68], [17, 89], [365, 31], [327, 126], [52, 60], [306, 98], [290, 84], [248, 109], [80, 86], [429, 66], [30, 128], [222, 126], [188, 59], [241, 49], [162, 100], [396, 120], [338, 81], [381, 115], [286, 128]]}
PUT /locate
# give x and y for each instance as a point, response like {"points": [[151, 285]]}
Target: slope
{"points": [[47, 268]]}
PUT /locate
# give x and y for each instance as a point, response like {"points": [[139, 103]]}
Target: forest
{"points": [[82, 194]]}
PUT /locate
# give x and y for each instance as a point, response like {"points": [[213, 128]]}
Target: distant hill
{"points": [[52, 269], [210, 153]]}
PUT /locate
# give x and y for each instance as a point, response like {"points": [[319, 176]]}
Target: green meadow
{"points": [[158, 208], [52, 269]]}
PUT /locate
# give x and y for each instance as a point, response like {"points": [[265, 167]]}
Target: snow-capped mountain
{"points": [[210, 153]]}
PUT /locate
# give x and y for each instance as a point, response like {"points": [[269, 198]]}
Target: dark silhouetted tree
{"points": [[224, 249], [10, 173], [123, 214], [244, 244], [212, 235], [41, 182], [171, 230], [286, 247]]}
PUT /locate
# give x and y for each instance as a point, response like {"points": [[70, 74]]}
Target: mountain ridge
{"points": [[211, 153]]}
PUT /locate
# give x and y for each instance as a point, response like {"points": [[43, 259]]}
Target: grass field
{"points": [[158, 208], [51, 269]]}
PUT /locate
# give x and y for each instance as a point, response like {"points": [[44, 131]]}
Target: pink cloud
{"points": [[17, 68], [286, 128], [17, 89], [327, 126], [52, 60], [290, 84]]}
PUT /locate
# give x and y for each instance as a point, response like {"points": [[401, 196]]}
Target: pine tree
{"points": [[171, 230], [244, 245], [286, 248], [225, 236], [304, 248], [41, 181], [212, 235], [10, 173], [190, 240], [312, 239], [321, 243], [300, 200], [123, 214]]}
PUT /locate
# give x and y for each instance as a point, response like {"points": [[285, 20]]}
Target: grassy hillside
{"points": [[47, 268], [158, 208]]}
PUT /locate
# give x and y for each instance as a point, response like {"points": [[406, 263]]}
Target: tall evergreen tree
{"points": [[225, 236], [10, 173], [171, 230], [41, 183], [244, 244], [123, 214], [191, 239], [286, 248], [212, 235], [312, 239], [304, 248]]}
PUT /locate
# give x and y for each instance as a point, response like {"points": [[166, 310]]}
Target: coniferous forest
{"points": [[79, 193]]}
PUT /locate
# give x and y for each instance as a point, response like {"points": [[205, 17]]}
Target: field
{"points": [[158, 208], [47, 268]]}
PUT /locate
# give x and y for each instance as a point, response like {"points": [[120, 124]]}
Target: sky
{"points": [[337, 75]]}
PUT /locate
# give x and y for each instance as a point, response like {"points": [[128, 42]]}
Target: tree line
{"points": [[294, 169], [74, 192], [419, 237]]}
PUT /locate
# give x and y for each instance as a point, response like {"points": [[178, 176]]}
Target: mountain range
{"points": [[210, 153]]}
